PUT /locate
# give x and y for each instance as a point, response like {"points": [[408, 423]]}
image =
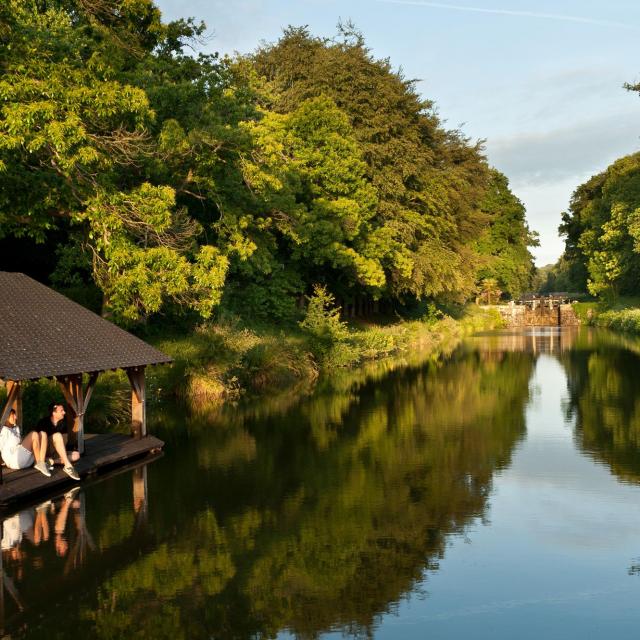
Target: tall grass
{"points": [[222, 361]]}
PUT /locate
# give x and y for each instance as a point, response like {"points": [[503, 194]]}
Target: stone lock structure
{"points": [[539, 312]]}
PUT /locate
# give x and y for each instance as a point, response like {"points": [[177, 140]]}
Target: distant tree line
{"points": [[168, 181]]}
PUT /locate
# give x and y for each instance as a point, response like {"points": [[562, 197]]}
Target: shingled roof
{"points": [[44, 334]]}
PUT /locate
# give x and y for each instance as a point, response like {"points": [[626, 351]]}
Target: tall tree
{"points": [[506, 241], [75, 140], [602, 229], [428, 180]]}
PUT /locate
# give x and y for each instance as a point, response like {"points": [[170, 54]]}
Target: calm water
{"points": [[494, 494]]}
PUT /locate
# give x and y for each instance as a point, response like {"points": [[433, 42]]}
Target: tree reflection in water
{"points": [[604, 399], [319, 514]]}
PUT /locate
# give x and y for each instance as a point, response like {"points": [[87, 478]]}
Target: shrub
{"points": [[322, 319], [329, 337], [375, 343], [274, 363]]}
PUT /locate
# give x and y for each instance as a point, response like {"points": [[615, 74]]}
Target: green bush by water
{"points": [[221, 361], [622, 315]]}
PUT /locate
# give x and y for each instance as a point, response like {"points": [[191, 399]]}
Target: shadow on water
{"points": [[304, 514]]}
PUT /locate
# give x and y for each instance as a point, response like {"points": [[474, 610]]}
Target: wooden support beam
{"points": [[74, 395], [138, 402], [14, 401], [88, 390]]}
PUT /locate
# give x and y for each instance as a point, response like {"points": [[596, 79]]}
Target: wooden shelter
{"points": [[43, 334]]}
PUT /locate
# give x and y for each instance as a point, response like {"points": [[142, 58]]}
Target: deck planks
{"points": [[102, 452]]}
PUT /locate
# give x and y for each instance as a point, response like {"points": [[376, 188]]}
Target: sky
{"points": [[540, 81]]}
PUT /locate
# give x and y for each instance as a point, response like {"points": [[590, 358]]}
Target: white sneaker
{"points": [[70, 470], [42, 468]]}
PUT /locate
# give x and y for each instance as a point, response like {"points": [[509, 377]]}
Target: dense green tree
{"points": [[602, 230], [506, 241], [172, 178], [428, 180], [75, 138]]}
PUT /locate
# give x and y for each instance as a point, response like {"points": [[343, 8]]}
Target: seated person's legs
{"points": [[57, 445]]}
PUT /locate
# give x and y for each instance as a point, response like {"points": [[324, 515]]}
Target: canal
{"points": [[492, 493]]}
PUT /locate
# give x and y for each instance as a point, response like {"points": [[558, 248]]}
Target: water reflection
{"points": [[48, 550], [306, 516], [604, 400], [534, 340]]}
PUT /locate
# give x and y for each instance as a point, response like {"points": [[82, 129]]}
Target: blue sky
{"points": [[540, 81]]}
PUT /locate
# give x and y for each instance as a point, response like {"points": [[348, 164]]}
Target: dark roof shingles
{"points": [[43, 333]]}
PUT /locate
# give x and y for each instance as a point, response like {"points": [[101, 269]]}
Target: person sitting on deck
{"points": [[18, 453], [55, 427]]}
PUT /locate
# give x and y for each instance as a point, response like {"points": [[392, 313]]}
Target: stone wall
{"points": [[568, 316], [543, 316]]}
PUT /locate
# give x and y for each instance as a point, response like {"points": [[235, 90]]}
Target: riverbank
{"points": [[623, 316], [223, 361]]}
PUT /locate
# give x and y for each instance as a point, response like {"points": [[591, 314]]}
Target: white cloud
{"points": [[550, 156]]}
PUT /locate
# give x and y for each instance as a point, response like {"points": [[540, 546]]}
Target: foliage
{"points": [[627, 320], [428, 180], [602, 231], [505, 243], [75, 138], [489, 291], [322, 319], [561, 276], [329, 335], [223, 360], [184, 183]]}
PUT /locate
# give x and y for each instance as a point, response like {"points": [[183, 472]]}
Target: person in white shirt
{"points": [[19, 453]]}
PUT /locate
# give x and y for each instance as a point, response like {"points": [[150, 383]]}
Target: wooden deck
{"points": [[102, 452]]}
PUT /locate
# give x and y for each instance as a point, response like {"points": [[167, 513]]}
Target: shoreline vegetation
{"points": [[174, 188], [622, 316], [199, 201], [225, 361]]}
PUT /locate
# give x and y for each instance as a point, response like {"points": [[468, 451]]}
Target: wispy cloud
{"points": [[521, 14], [580, 148]]}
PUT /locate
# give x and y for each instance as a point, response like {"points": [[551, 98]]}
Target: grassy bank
{"points": [[623, 315], [222, 361], [218, 362]]}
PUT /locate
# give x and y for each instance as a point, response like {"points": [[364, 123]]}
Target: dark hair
{"points": [[6, 424], [52, 407]]}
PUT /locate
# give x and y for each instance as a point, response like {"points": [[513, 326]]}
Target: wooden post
{"points": [[138, 402], [77, 399], [14, 401], [74, 414]]}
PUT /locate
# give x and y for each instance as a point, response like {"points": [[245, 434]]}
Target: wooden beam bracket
{"points": [[13, 397]]}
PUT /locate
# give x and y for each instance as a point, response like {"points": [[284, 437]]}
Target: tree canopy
{"points": [[602, 231], [176, 181]]}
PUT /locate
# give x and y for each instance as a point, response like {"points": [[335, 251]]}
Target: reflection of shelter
{"points": [[46, 335], [70, 553]]}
